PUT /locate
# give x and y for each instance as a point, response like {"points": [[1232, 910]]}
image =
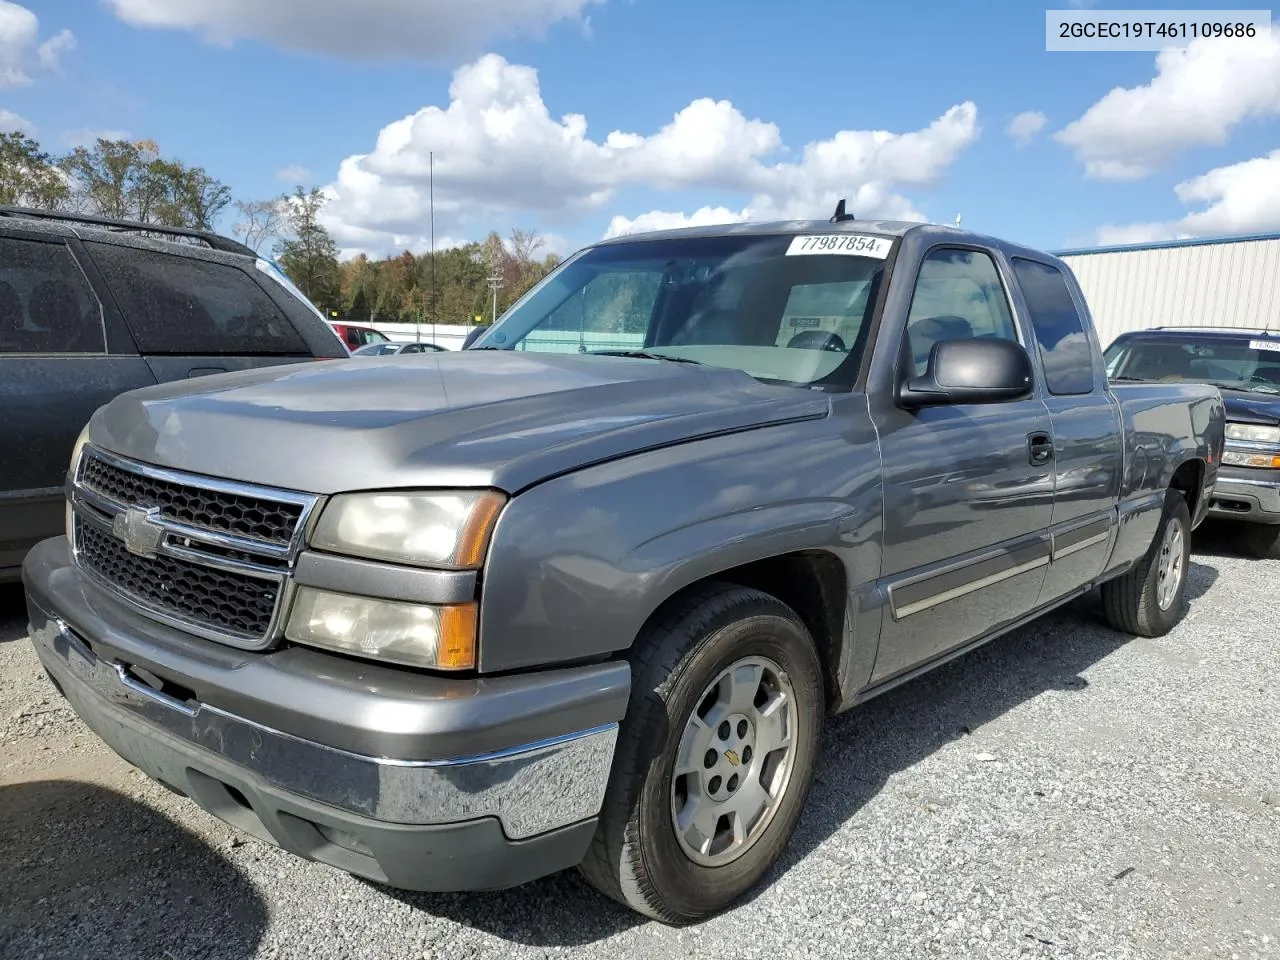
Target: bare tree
{"points": [[260, 221], [524, 246]]}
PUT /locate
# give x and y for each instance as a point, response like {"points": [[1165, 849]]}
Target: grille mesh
{"points": [[217, 599], [268, 521]]}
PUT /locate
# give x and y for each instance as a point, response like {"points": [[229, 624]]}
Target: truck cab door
{"points": [[1086, 429], [968, 488]]}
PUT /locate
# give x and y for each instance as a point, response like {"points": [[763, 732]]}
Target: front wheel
{"points": [[715, 758], [1149, 599]]}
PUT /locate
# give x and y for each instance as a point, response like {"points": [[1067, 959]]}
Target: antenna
{"points": [[431, 181], [958, 219], [840, 215]]}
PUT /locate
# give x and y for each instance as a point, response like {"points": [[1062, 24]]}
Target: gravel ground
{"points": [[1065, 792]]}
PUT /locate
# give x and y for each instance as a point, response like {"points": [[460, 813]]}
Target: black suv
{"points": [[1245, 366], [90, 308]]}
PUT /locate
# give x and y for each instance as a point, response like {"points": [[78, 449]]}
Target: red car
{"points": [[355, 336]]}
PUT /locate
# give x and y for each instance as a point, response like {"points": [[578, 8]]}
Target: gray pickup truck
{"points": [[583, 593]]}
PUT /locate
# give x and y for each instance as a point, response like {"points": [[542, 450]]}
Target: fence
{"points": [[452, 335]]}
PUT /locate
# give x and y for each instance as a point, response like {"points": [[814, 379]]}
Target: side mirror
{"points": [[970, 371]]}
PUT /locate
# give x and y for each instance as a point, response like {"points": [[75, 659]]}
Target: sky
{"points": [[581, 119]]}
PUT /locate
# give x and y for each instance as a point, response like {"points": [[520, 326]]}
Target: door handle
{"points": [[1039, 448]]}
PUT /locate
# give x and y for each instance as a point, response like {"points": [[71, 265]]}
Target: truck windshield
{"points": [[1230, 364], [762, 304]]}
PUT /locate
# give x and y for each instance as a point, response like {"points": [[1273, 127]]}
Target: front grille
{"points": [[209, 556], [217, 599], [234, 513]]}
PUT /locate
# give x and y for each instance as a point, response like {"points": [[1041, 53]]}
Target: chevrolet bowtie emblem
{"points": [[139, 532], [733, 758]]}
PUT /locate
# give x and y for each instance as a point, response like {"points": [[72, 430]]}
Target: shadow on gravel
{"points": [[860, 750], [1220, 538], [87, 872], [13, 613]]}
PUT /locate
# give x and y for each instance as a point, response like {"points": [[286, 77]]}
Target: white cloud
{"points": [[294, 174], [87, 137], [1237, 199], [19, 33], [665, 220], [424, 30], [499, 153], [18, 30], [50, 52], [10, 122], [1024, 128], [1200, 92]]}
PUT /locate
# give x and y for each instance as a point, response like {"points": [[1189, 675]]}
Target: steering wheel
{"points": [[817, 340]]}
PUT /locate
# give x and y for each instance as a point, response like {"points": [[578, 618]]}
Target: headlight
{"points": [[413, 634], [1265, 461], [75, 462], [1254, 432], [79, 447], [442, 529]]}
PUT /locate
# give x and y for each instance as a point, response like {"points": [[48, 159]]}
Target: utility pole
{"points": [[495, 284]]}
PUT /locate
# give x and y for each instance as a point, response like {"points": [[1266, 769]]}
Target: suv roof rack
{"points": [[1270, 331], [214, 240]]}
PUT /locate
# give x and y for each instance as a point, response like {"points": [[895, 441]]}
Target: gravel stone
{"points": [[1065, 792]]}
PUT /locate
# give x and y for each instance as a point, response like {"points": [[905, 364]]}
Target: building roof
{"points": [[1166, 244]]}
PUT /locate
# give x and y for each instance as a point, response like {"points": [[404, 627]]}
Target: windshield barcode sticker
{"points": [[1265, 345], [846, 244]]}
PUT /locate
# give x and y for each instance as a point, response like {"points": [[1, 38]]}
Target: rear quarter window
{"points": [[1065, 348], [181, 305]]}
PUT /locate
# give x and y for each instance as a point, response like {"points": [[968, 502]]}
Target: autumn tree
{"points": [[130, 180], [308, 254], [29, 176]]}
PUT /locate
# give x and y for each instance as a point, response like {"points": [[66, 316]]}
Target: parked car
{"points": [[591, 608], [1245, 366], [356, 336], [90, 308], [390, 349], [474, 334]]}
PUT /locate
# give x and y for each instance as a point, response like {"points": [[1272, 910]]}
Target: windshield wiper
{"points": [[642, 355]]}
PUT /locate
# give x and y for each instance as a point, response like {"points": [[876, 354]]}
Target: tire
{"points": [[1263, 541], [638, 856], [1132, 602]]}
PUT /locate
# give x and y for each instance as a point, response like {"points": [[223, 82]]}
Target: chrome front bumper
{"points": [[1245, 498], [530, 789], [422, 782]]}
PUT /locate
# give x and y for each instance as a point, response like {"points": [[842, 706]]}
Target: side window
{"points": [[1065, 349], [46, 304], [958, 295], [181, 305], [612, 311]]}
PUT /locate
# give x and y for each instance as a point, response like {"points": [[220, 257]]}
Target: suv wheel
{"points": [[1149, 599], [715, 758]]}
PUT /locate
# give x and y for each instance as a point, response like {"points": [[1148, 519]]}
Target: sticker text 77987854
{"points": [[846, 244]]}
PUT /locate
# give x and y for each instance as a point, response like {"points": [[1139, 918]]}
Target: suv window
{"points": [[1065, 349], [46, 305], [181, 305], [958, 295]]}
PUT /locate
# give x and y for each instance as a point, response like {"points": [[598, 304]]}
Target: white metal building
{"points": [[1226, 282]]}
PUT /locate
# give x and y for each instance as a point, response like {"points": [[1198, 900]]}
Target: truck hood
{"points": [[1246, 407], [476, 418]]}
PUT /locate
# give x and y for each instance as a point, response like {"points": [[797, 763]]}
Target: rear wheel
{"points": [[1263, 540], [1149, 599], [715, 758]]}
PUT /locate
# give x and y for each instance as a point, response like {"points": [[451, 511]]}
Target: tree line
{"points": [[133, 180]]}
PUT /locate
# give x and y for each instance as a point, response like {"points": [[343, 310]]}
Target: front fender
{"points": [[578, 564]]}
